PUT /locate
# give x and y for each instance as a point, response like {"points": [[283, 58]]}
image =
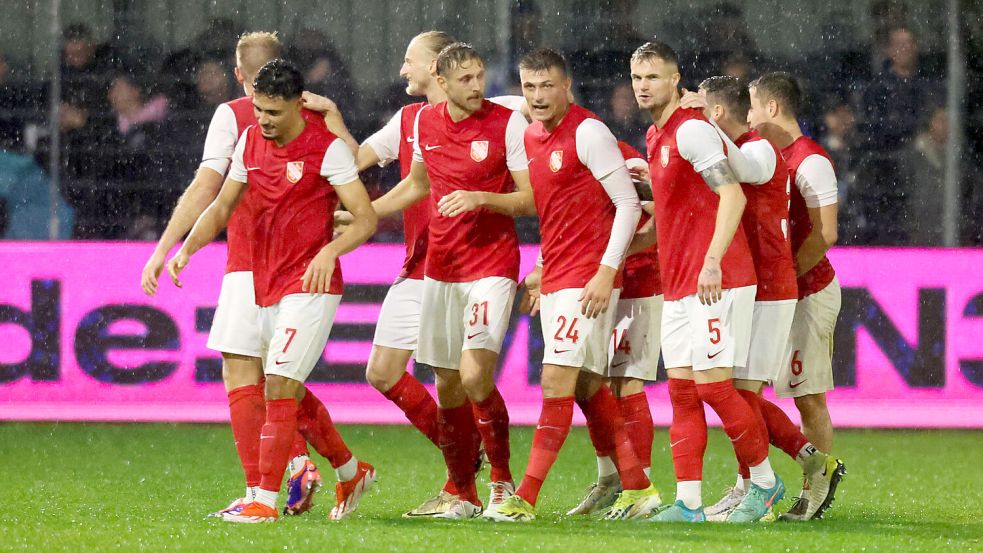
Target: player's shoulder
{"points": [[409, 111], [804, 147]]}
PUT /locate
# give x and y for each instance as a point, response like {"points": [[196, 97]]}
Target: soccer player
{"points": [[235, 331], [765, 181], [295, 172], [709, 284], [469, 158], [807, 372], [588, 211], [633, 355]]}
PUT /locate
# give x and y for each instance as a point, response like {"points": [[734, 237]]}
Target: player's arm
{"points": [[753, 163], [816, 180], [332, 118], [410, 190], [645, 237]]}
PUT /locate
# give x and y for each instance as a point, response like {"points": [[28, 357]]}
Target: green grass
{"points": [[74, 487]]}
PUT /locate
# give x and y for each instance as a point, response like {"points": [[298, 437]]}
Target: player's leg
{"points": [[634, 405]]}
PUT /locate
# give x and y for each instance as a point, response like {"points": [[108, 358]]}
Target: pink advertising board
{"points": [[82, 342]]}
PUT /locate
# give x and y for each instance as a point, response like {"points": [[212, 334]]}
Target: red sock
{"points": [[552, 430], [493, 424], [603, 443], [457, 436], [753, 401], [688, 433], [638, 426], [782, 432], [274, 445], [746, 432], [417, 404], [299, 447], [315, 424], [247, 410], [603, 408]]}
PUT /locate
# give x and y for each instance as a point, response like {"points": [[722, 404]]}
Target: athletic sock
{"points": [[743, 483], [638, 426], [247, 411], [688, 432], [316, 425], [811, 459], [417, 404], [752, 399], [552, 430], [603, 409], [782, 432], [457, 433], [275, 439], [493, 423], [746, 433], [250, 493], [762, 475], [606, 468], [266, 497], [690, 492], [347, 471]]}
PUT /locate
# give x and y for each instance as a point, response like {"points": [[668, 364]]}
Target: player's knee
{"points": [[280, 387], [477, 385], [812, 406], [239, 371], [380, 378]]}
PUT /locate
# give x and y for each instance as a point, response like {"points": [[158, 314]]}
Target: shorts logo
{"points": [[664, 155], [295, 170], [556, 160], [479, 150]]}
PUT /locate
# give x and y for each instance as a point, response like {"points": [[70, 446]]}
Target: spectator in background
{"points": [[925, 168], [213, 85], [326, 73], [737, 65], [624, 118], [85, 67], [839, 139]]}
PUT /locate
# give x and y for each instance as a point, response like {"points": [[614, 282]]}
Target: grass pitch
{"points": [[75, 487]]}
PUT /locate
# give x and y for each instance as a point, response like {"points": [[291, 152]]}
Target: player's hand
{"points": [[458, 202], [529, 292], [151, 271], [693, 100], [596, 296], [176, 265], [326, 107], [709, 286], [642, 181], [341, 221], [317, 277]]}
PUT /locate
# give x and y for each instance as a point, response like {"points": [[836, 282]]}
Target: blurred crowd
{"points": [[132, 120]]}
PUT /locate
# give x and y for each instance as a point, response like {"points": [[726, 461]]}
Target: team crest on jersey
{"points": [[664, 155], [295, 170], [556, 160], [479, 150]]}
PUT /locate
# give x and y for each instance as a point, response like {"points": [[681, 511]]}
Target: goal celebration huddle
{"points": [[709, 249]]}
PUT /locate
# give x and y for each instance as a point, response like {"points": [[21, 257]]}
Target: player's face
{"points": [[465, 85], [276, 116], [654, 82], [547, 93], [758, 114], [416, 68]]}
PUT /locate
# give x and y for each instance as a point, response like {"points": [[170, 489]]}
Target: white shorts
{"points": [[808, 365], [399, 318], [770, 329], [708, 336], [455, 316], [570, 339], [235, 327], [294, 333], [637, 339]]}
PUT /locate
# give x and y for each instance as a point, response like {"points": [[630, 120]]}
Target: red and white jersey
{"points": [[765, 220], [394, 141], [228, 123], [686, 207], [474, 154], [642, 278], [811, 170], [292, 204]]}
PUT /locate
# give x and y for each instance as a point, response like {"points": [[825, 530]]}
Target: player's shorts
{"points": [[808, 365], [399, 318], [294, 333], [235, 326], [455, 316], [637, 339], [570, 339], [708, 336], [770, 329]]}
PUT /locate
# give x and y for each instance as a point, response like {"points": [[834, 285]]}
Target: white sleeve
{"points": [[700, 144], [636, 163], [385, 141], [753, 163], [514, 103], [338, 165], [598, 149], [220, 142], [627, 211], [817, 181], [515, 143], [238, 170], [417, 153]]}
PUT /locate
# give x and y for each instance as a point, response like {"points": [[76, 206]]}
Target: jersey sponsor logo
{"points": [[556, 160], [664, 155], [295, 170], [479, 150]]}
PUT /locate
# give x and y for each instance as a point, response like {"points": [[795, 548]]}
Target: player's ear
{"points": [[433, 67], [772, 108], [239, 78]]}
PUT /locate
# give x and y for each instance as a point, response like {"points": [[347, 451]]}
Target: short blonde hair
{"points": [[254, 50]]}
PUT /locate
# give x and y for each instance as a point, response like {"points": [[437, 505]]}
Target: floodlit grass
{"points": [[77, 487]]}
